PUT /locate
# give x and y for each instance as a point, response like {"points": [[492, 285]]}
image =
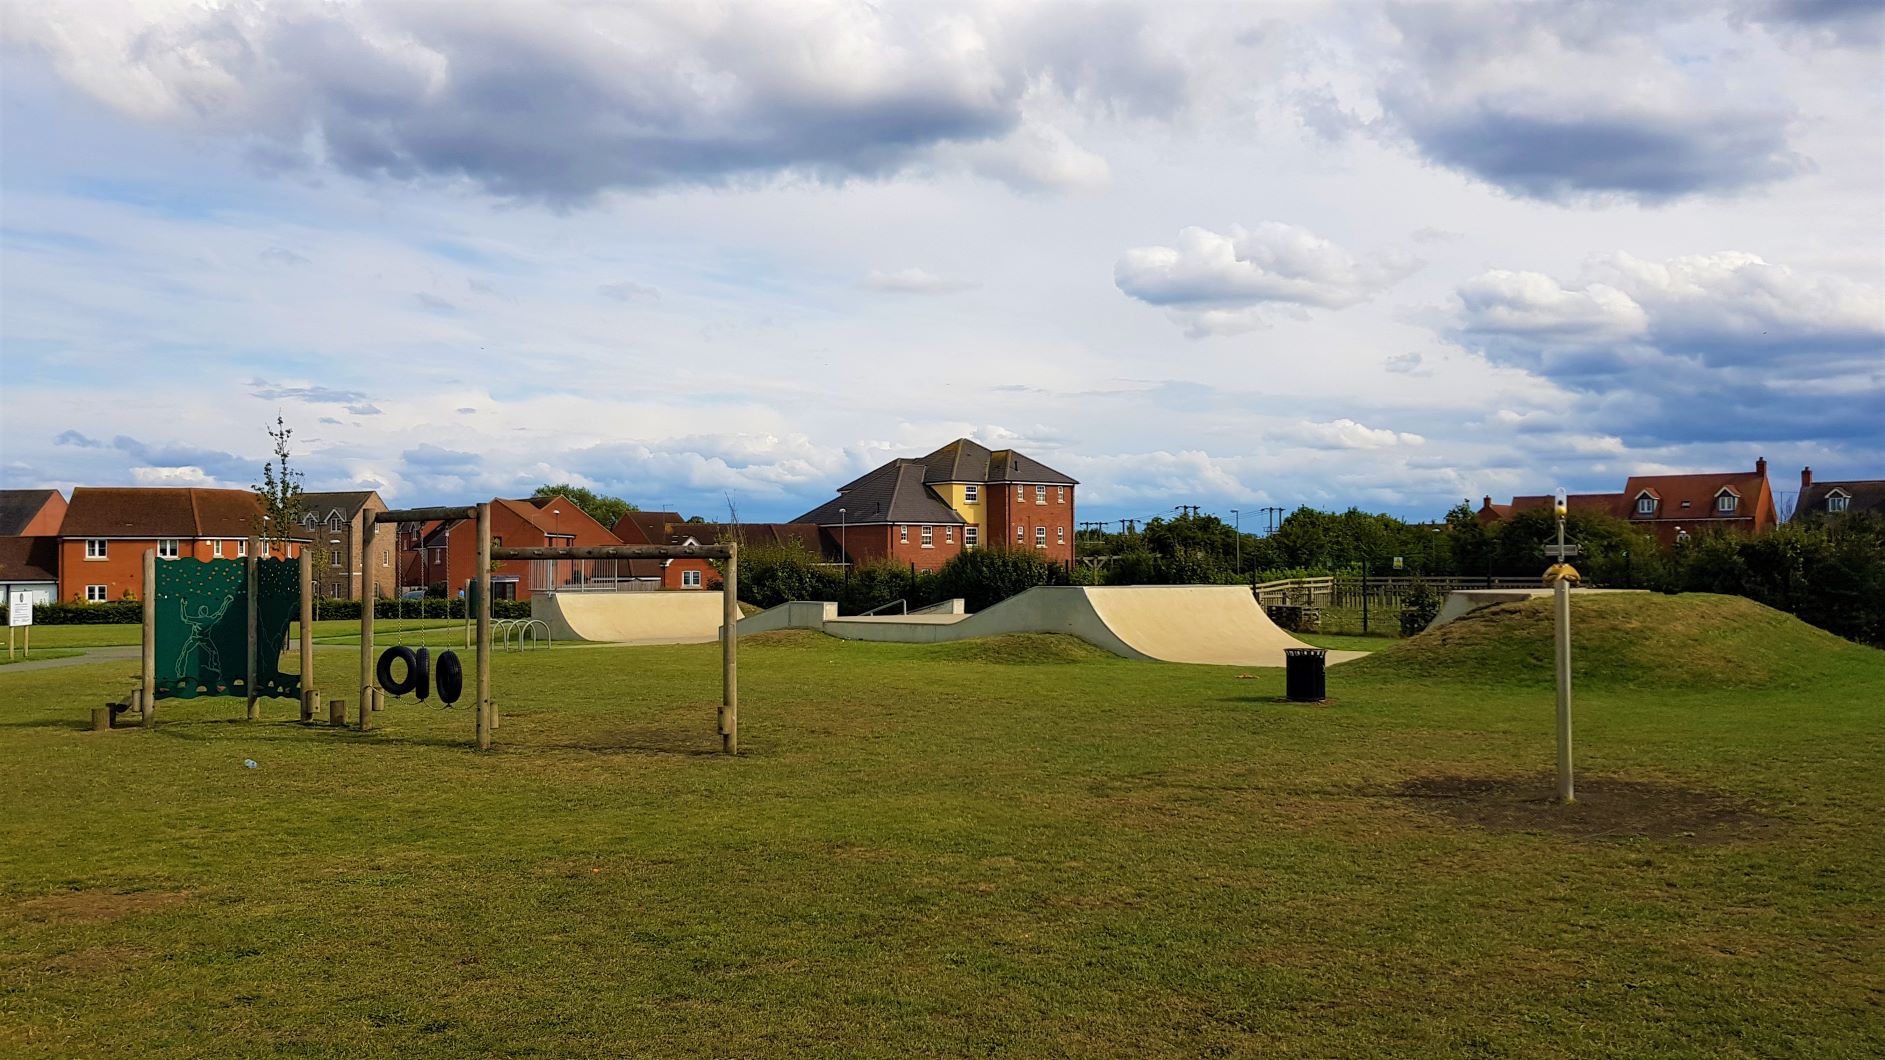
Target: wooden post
{"points": [[1562, 599], [101, 719], [255, 708], [487, 710], [337, 713], [366, 716], [729, 655], [367, 599], [147, 694], [309, 697]]}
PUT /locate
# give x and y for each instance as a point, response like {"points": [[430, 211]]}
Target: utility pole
{"points": [[1237, 525]]}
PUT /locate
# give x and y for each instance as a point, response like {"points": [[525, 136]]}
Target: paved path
{"points": [[122, 653]]}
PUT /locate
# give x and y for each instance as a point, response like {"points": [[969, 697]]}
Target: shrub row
{"points": [[132, 611]]}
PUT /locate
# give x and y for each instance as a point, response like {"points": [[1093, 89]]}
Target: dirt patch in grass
{"points": [[89, 907], [1606, 808], [786, 638], [1021, 649]]}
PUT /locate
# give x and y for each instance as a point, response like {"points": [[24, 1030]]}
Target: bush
{"points": [[771, 575], [110, 613], [984, 577], [1419, 608]]}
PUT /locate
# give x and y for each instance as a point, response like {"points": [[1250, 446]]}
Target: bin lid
{"points": [[1304, 651]]}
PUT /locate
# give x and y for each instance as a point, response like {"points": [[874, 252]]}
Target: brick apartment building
{"points": [[1672, 508], [107, 530], [926, 511], [448, 552], [335, 523]]}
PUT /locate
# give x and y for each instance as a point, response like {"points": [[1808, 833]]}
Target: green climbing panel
{"points": [[202, 632]]}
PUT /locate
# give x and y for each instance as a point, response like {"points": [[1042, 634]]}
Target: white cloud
{"points": [[915, 281], [1347, 434], [172, 476], [1214, 283]]}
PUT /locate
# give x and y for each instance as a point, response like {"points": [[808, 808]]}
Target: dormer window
{"points": [[1645, 504], [309, 521], [1837, 501], [1726, 502]]}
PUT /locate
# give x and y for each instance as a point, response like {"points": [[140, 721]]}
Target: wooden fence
{"points": [[1348, 591]]}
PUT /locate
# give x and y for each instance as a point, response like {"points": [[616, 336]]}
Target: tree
{"points": [[282, 506], [601, 507]]}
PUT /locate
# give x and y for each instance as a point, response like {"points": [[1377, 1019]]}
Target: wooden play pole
{"points": [[147, 694], [309, 697], [249, 568], [367, 599], [729, 654], [487, 710]]}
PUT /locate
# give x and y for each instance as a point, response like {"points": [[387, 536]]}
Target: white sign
{"points": [[19, 608], [1397, 563]]}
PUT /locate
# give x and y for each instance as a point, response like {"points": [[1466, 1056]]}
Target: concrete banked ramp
{"points": [[677, 617], [1213, 624]]}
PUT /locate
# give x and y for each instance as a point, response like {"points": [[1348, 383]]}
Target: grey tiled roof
{"points": [[1868, 495], [894, 493], [17, 508]]}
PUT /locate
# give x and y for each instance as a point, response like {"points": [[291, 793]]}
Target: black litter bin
{"points": [[1305, 675]]}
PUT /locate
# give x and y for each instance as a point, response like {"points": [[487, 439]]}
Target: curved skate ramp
{"points": [[1212, 624], [678, 617]]}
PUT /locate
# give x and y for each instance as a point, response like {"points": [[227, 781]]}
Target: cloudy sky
{"points": [[1232, 255]]}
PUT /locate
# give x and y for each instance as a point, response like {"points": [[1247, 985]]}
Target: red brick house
{"points": [[448, 552], [1672, 508], [107, 530], [925, 512], [31, 513], [335, 522], [668, 528]]}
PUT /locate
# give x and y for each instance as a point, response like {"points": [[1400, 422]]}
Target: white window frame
{"points": [[903, 535], [216, 549], [949, 535], [1645, 504], [384, 561], [1838, 501], [1060, 535], [929, 537], [1727, 503], [97, 548], [1040, 494], [242, 548], [1060, 494], [97, 597], [167, 548], [1020, 534], [310, 520], [971, 494], [690, 579], [333, 557], [1020, 492], [1040, 537], [334, 523], [970, 536]]}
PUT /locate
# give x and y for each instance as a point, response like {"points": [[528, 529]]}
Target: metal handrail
{"points": [[900, 602]]}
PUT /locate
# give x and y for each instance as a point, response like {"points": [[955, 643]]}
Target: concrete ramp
{"points": [[1462, 602], [1212, 624], [678, 617]]}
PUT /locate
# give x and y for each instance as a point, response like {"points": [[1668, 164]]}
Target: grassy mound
{"points": [[1693, 641], [1023, 649]]}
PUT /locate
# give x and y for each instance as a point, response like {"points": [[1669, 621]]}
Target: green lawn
{"points": [[19, 654], [330, 631], [940, 850]]}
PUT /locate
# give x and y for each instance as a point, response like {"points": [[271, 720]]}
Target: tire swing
{"points": [[407, 682], [450, 678]]}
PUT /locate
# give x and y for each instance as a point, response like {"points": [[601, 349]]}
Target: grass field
{"points": [[1020, 847], [334, 631]]}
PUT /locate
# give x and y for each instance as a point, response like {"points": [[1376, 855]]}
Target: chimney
{"points": [[1806, 478], [1488, 503], [1760, 467]]}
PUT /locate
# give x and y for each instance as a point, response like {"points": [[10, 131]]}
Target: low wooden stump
{"points": [[101, 718], [337, 713]]}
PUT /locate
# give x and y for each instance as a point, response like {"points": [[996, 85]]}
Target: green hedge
{"points": [[122, 612]]}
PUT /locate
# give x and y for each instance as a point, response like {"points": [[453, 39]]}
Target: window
{"points": [[971, 494], [1836, 502], [1040, 494], [336, 591], [94, 594], [969, 536], [1018, 532], [1726, 502], [383, 555], [1040, 537], [333, 557], [690, 579], [333, 522], [949, 535], [929, 537], [1060, 535], [1645, 505], [167, 548], [242, 548], [1018, 495], [1060, 494], [94, 548], [903, 535], [216, 549], [309, 520]]}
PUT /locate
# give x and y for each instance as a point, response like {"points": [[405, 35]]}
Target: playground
{"points": [[1022, 845]]}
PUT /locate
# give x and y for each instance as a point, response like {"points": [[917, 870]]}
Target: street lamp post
{"points": [[1237, 522], [844, 543]]}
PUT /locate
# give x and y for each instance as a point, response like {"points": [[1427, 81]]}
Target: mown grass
{"points": [[38, 653], [938, 850], [329, 631]]}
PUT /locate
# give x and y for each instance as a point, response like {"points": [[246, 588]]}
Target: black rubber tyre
{"points": [[423, 686], [450, 677], [385, 670]]}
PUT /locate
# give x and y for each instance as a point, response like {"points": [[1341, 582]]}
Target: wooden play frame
{"points": [[487, 713]]}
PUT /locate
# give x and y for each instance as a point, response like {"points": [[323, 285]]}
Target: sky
{"points": [[728, 256]]}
